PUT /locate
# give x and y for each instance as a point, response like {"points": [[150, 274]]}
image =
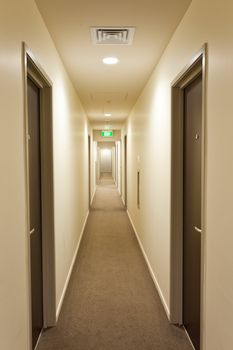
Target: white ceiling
{"points": [[104, 88]]}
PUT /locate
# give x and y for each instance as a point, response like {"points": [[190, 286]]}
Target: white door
{"points": [[106, 160]]}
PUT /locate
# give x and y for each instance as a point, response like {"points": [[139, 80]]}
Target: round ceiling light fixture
{"points": [[110, 60], [108, 114]]}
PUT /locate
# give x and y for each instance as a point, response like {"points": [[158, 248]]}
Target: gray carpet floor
{"points": [[111, 302]]}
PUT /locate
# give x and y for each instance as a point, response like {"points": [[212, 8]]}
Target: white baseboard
{"points": [[189, 338], [119, 192], [38, 340], [93, 196], [70, 269], [150, 269]]}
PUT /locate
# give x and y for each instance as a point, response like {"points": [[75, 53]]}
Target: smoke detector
{"points": [[112, 35]]}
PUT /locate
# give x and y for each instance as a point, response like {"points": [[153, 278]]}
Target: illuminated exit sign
{"points": [[107, 133]]}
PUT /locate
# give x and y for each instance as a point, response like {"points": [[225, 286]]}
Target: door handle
{"points": [[32, 231], [197, 229]]}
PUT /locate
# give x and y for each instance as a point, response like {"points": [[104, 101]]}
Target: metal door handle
{"points": [[32, 231], [197, 229]]}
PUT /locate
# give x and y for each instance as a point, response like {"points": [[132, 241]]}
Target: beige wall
{"points": [[20, 21], [107, 144], [149, 142]]}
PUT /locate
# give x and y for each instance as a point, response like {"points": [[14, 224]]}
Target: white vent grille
{"points": [[112, 35]]}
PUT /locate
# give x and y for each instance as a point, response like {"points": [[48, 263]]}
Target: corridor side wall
{"points": [[21, 21], [149, 149]]}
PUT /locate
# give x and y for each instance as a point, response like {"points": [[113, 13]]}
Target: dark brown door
{"points": [[125, 170], [89, 170], [35, 210], [192, 210]]}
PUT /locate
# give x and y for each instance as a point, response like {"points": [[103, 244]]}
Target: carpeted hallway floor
{"points": [[111, 302]]}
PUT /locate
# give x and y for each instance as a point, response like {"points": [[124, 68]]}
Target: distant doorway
{"points": [[106, 161], [187, 240]]}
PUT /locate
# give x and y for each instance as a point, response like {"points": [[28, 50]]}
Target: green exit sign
{"points": [[107, 133]]}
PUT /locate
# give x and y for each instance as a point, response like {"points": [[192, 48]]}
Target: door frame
{"points": [[125, 170], [119, 167], [89, 170], [32, 69], [197, 66], [114, 163]]}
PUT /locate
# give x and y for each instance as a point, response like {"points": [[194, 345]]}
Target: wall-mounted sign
{"points": [[107, 133]]}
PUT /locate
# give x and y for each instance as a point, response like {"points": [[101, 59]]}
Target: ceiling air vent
{"points": [[112, 35]]}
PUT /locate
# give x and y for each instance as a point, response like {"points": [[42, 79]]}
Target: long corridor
{"points": [[111, 301]]}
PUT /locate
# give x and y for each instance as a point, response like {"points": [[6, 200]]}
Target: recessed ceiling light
{"points": [[108, 114], [110, 60]]}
